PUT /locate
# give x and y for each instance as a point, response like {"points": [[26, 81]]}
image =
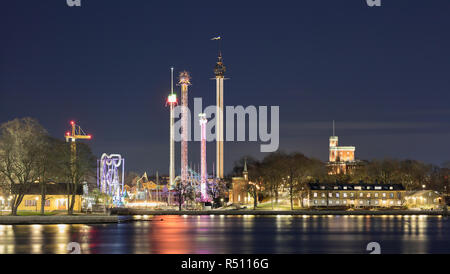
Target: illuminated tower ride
{"points": [[172, 101], [184, 81], [203, 169], [219, 71]]}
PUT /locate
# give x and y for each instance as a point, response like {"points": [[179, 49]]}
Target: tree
{"points": [[273, 172], [255, 182], [184, 192], [75, 170], [216, 189], [47, 165], [20, 144]]}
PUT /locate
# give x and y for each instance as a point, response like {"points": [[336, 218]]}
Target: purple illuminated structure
{"points": [[110, 179], [203, 172]]}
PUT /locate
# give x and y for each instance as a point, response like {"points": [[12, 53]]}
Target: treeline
{"points": [[28, 155], [281, 172]]}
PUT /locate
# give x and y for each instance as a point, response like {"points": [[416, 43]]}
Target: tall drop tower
{"points": [[172, 101], [184, 81], [203, 168], [219, 71]]}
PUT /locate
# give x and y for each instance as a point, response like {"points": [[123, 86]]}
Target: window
{"points": [[337, 195], [315, 202], [330, 195], [323, 195], [337, 202], [352, 195], [360, 202], [315, 194], [376, 202], [47, 202], [391, 195], [361, 195], [384, 195], [344, 194], [376, 194], [323, 202], [330, 202], [368, 195], [30, 203]]}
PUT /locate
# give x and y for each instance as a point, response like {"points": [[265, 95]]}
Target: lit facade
{"points": [[424, 199], [355, 195], [238, 194], [341, 158], [56, 198]]}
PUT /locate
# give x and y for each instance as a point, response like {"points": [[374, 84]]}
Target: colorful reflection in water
{"points": [[236, 234]]}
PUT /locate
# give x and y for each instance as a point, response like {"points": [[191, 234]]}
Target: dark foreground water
{"points": [[237, 234]]}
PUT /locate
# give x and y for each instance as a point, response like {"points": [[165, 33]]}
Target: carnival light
{"points": [[108, 178]]}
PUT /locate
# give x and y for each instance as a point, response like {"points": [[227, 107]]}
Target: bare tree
{"points": [[75, 170], [20, 144]]}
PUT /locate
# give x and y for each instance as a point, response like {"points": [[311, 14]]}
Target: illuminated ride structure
{"points": [[172, 101], [110, 177], [184, 82], [203, 170]]}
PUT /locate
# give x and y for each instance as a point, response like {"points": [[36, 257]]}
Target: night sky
{"points": [[382, 73]]}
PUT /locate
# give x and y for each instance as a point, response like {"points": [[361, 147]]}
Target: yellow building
{"points": [[56, 198]]}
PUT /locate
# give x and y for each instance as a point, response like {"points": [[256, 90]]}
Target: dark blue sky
{"points": [[382, 73]]}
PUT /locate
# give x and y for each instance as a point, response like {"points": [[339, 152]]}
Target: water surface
{"points": [[236, 234]]}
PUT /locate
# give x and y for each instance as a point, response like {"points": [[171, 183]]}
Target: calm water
{"points": [[237, 234]]}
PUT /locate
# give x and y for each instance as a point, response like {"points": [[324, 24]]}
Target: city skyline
{"points": [[380, 73]]}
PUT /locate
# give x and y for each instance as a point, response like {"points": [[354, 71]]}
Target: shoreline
{"points": [[132, 212], [127, 215], [58, 219]]}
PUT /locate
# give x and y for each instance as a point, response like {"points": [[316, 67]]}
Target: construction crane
{"points": [[75, 134]]}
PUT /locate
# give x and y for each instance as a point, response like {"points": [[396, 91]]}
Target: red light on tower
{"points": [[89, 136], [67, 133], [172, 98], [72, 123]]}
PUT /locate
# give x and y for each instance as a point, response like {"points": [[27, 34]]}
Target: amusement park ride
{"points": [[111, 168]]}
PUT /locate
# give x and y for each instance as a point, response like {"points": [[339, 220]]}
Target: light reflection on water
{"points": [[236, 234]]}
